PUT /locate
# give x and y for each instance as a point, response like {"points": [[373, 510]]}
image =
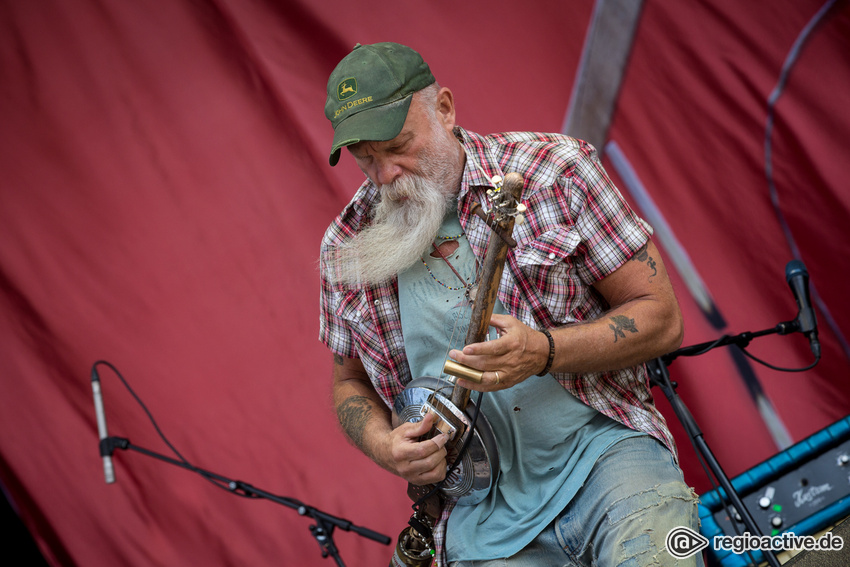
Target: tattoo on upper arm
{"points": [[353, 414], [622, 324], [337, 360], [643, 257]]}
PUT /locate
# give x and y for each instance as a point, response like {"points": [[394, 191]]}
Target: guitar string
{"points": [[461, 323], [479, 266], [469, 301]]}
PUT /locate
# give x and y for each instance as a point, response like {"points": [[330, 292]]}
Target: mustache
{"points": [[407, 187]]}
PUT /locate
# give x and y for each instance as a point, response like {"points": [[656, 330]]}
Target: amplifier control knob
{"points": [[776, 521], [843, 460], [764, 502]]}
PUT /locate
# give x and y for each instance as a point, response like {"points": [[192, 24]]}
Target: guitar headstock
{"points": [[504, 198]]}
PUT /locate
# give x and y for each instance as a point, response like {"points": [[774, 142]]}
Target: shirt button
{"points": [[551, 255], [377, 302]]}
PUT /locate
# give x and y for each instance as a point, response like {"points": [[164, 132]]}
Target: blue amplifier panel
{"points": [[803, 490]]}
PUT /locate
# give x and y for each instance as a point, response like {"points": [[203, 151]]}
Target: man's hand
{"points": [[367, 422], [417, 462], [518, 353]]}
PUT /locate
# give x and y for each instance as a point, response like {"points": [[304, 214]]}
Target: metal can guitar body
{"points": [[478, 469]]}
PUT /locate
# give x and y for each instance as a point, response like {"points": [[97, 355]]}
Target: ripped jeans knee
{"points": [[639, 525], [621, 517]]}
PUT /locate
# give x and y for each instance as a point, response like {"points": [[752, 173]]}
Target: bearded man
{"points": [[588, 469]]}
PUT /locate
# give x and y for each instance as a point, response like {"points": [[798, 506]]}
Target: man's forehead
{"points": [[404, 136]]}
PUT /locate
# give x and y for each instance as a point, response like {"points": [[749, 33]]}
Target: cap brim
{"points": [[377, 124]]}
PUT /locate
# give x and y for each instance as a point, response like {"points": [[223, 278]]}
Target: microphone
{"points": [[798, 279], [108, 471]]}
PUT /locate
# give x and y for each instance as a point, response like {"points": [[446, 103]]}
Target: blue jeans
{"points": [[634, 496]]}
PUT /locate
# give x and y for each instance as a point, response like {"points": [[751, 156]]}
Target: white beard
{"points": [[401, 232]]}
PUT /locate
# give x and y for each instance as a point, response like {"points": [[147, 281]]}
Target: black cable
{"points": [[224, 486], [727, 503], [788, 65], [711, 346], [779, 368]]}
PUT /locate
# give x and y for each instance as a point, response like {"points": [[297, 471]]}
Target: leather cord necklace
{"points": [[466, 284]]}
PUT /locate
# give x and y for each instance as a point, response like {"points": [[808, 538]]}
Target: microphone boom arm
{"points": [[740, 340], [325, 523]]}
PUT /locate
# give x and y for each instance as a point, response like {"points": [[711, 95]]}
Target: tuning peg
{"points": [[519, 219], [521, 208]]}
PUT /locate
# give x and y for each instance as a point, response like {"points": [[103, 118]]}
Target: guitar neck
{"points": [[491, 276]]}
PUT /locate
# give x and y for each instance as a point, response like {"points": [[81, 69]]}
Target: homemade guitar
{"points": [[472, 450]]}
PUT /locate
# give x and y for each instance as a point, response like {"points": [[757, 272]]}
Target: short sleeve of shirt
{"points": [[334, 332], [609, 231]]}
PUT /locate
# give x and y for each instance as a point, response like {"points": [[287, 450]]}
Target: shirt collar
{"points": [[480, 166]]}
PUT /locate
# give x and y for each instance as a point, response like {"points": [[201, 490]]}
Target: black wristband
{"points": [[551, 352]]}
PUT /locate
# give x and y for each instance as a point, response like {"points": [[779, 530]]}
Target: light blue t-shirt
{"points": [[547, 439]]}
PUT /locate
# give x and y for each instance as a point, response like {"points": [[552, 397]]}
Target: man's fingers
{"points": [[424, 462], [415, 429], [440, 440], [497, 347], [501, 322]]}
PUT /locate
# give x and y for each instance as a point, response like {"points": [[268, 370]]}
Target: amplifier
{"points": [[804, 489]]}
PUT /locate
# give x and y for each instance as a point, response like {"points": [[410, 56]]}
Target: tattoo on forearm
{"points": [[622, 324], [644, 257], [337, 360], [353, 414]]}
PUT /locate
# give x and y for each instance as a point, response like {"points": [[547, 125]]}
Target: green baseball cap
{"points": [[363, 87]]}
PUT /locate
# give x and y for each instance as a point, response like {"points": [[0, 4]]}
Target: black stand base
{"points": [[659, 376]]}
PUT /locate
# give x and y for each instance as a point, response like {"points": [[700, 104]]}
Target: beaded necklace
{"points": [[466, 284]]}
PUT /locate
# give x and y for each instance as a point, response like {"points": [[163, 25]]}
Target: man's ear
{"points": [[446, 108]]}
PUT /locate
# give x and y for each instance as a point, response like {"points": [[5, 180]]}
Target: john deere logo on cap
{"points": [[347, 89]]}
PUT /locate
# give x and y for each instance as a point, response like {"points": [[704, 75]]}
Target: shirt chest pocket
{"points": [[552, 249], [352, 306], [549, 266]]}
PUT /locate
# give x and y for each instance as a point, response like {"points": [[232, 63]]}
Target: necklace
{"points": [[466, 284]]}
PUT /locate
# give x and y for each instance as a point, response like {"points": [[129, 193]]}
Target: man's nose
{"points": [[386, 171]]}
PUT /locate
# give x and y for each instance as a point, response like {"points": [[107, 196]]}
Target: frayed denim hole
{"points": [[636, 546], [632, 505], [648, 498]]}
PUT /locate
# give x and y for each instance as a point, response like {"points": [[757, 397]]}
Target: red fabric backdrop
{"points": [[165, 187]]}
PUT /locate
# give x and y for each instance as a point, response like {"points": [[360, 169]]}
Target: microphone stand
{"points": [[741, 340], [659, 375], [322, 530]]}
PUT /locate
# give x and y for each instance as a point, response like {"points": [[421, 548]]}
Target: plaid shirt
{"points": [[577, 230]]}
